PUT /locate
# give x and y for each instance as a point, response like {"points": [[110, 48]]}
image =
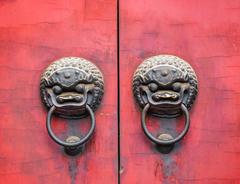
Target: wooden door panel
{"points": [[32, 35], [206, 34]]}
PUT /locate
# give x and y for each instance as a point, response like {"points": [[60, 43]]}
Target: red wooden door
{"points": [[206, 34], [32, 35], [35, 33]]}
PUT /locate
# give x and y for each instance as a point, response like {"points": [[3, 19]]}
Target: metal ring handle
{"points": [[165, 142], [66, 144]]}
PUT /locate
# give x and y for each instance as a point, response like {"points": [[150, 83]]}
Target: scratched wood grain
{"points": [[207, 35], [32, 34]]}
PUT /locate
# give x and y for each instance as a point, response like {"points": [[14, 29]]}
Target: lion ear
{"points": [[141, 79], [186, 77], [90, 77], [46, 82]]}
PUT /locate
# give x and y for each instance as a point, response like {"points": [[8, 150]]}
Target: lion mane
{"points": [[78, 63], [167, 60]]}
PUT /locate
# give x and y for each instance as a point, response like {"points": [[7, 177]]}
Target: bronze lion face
{"points": [[165, 82], [71, 83]]}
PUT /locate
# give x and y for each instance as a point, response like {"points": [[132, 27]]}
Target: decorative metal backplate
{"points": [[69, 84], [165, 82]]}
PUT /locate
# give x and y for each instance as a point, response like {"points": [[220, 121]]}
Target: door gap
{"points": [[118, 87]]}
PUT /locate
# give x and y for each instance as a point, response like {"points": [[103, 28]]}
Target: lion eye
{"points": [[153, 87], [80, 88], [57, 89], [177, 86]]}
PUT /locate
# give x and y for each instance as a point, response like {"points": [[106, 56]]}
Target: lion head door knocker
{"points": [[71, 87], [165, 86]]}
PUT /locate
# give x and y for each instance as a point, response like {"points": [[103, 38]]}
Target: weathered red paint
{"points": [[207, 35], [204, 33], [32, 35]]}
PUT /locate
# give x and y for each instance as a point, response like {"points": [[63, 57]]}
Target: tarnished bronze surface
{"points": [[165, 82], [69, 84], [71, 87], [165, 86]]}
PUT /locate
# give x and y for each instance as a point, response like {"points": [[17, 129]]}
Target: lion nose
{"points": [[69, 98], [165, 95]]}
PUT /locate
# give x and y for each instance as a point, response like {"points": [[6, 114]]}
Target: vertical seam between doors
{"points": [[118, 88]]}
